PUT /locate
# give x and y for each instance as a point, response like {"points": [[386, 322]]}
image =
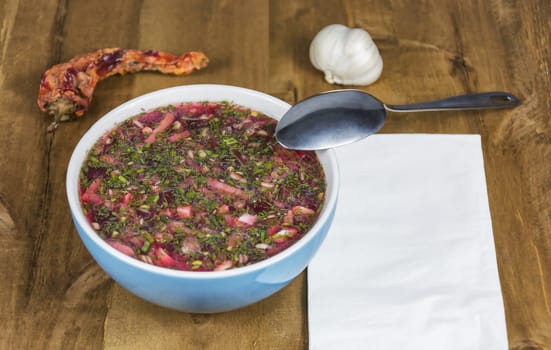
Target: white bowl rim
{"points": [[82, 146]]}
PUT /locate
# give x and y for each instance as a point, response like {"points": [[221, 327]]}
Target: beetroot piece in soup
{"points": [[200, 186]]}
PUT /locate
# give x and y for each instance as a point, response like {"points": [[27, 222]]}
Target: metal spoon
{"points": [[340, 117]]}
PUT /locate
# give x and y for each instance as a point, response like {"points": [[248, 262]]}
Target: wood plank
{"points": [[502, 58], [265, 325], [233, 34], [60, 291], [23, 164]]}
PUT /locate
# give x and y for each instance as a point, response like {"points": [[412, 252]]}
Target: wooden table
{"points": [[52, 293]]}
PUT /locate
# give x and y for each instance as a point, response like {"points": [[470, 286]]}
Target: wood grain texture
{"points": [[54, 296]]}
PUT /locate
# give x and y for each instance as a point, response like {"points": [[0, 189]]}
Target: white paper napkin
{"points": [[409, 262]]}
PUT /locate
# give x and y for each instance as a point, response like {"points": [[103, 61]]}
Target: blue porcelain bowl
{"points": [[199, 292]]}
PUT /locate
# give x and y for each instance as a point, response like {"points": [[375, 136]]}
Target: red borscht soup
{"points": [[200, 186]]}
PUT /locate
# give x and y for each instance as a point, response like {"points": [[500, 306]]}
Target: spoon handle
{"points": [[483, 100]]}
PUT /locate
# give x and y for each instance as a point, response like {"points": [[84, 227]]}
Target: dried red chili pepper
{"points": [[66, 89]]}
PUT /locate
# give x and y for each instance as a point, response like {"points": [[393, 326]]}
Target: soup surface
{"points": [[200, 186]]}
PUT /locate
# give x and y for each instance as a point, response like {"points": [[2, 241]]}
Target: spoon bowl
{"points": [[339, 117]]}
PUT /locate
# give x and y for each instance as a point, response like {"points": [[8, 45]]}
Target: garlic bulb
{"points": [[347, 56]]}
